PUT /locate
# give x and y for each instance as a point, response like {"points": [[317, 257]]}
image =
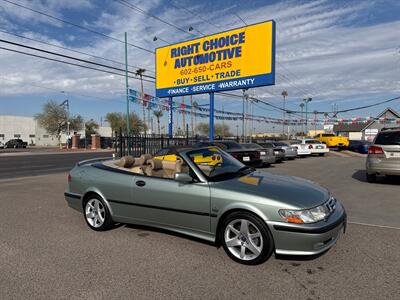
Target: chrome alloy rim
{"points": [[95, 213], [243, 239]]}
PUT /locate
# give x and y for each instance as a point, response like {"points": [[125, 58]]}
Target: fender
{"points": [[98, 192]]}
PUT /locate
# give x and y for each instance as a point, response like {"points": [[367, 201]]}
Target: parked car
{"points": [[278, 151], [16, 143], [252, 214], [359, 146], [302, 149], [384, 155], [248, 157], [1, 145], [333, 141], [171, 154], [266, 154], [315, 146]]}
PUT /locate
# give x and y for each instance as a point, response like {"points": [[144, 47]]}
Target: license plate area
{"points": [[246, 158]]}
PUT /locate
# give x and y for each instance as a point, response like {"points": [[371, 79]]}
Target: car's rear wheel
{"points": [[371, 177], [321, 154], [96, 214], [246, 238]]}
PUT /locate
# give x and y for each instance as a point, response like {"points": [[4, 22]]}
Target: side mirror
{"points": [[183, 178]]}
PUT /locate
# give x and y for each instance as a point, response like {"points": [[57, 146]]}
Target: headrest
{"points": [[144, 158], [181, 166], [125, 162], [155, 164], [168, 165]]}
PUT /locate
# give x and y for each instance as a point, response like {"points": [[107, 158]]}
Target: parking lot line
{"points": [[374, 225]]}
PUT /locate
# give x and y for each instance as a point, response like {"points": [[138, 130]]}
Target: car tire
{"points": [[321, 154], [97, 214], [371, 177], [246, 238]]}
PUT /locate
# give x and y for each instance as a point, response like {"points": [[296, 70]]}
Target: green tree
{"points": [[158, 114], [91, 127], [203, 128], [117, 120], [54, 119]]}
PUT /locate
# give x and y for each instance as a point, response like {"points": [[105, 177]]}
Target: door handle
{"points": [[140, 183]]}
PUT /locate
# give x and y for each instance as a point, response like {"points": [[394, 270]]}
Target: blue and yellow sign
{"points": [[236, 59]]}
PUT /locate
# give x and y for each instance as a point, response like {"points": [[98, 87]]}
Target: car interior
{"points": [[148, 166]]}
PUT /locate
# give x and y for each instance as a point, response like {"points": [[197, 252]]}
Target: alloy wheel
{"points": [[95, 213], [243, 239]]}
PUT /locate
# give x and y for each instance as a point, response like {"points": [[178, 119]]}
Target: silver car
{"points": [[267, 155], [384, 155], [208, 194]]}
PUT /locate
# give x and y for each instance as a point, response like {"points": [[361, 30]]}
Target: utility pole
{"points": [[66, 104], [288, 126], [306, 100], [223, 123], [284, 95], [128, 129], [243, 123], [315, 122], [302, 121], [183, 114], [191, 115], [139, 72]]}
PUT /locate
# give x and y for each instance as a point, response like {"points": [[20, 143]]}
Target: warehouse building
{"points": [[28, 130]]}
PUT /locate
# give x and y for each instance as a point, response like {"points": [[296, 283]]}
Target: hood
{"points": [[293, 191]]}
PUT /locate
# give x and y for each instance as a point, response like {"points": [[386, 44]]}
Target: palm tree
{"points": [[195, 106], [284, 95], [158, 114]]}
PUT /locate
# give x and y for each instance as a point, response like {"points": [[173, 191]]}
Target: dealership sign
{"points": [[237, 59]]}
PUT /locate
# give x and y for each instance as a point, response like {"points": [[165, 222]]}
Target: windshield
{"points": [[251, 146], [228, 145], [280, 144], [217, 165], [327, 134], [388, 138]]}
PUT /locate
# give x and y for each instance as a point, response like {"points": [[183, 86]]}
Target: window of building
{"points": [[17, 136], [2, 136], [45, 136], [31, 135]]}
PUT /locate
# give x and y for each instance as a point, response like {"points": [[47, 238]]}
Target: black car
{"points": [[16, 143], [246, 156]]}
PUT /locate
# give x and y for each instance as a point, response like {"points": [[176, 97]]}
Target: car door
{"points": [[165, 201]]}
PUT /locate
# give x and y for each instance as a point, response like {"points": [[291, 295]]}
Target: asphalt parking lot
{"points": [[47, 250]]}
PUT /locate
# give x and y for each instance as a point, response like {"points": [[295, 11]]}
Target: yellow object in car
{"points": [[210, 160]]}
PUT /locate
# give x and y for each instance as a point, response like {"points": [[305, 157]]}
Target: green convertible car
{"points": [[252, 214]]}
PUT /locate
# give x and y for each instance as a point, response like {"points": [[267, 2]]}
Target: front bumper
{"points": [[308, 239], [268, 159]]}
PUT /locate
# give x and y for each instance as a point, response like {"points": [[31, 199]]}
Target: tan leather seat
{"points": [[154, 168], [125, 162], [169, 168]]}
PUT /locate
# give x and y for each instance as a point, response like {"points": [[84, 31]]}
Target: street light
{"points": [[66, 103], [306, 100]]}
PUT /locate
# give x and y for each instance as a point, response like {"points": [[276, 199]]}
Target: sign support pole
{"points": [[127, 85], [211, 117], [170, 123]]}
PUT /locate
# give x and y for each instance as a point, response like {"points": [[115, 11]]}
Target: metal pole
{"points": [[191, 115], [306, 118], [142, 97], [68, 131], [244, 98], [284, 115], [128, 129], [170, 120], [223, 123], [211, 117]]}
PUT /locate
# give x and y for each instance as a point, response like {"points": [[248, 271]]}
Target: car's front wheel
{"points": [[246, 238], [97, 215]]}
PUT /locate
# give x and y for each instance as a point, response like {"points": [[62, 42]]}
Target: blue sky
{"points": [[337, 52]]}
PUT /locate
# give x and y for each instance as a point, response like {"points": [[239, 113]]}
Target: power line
{"points": [[70, 57], [138, 9], [72, 64], [78, 26], [194, 14], [72, 50]]}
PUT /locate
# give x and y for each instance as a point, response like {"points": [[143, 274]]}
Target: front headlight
{"points": [[307, 216]]}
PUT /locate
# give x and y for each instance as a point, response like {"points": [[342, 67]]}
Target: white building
{"points": [[28, 130]]}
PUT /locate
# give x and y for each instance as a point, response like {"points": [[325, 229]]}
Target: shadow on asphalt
{"points": [[360, 175], [144, 231]]}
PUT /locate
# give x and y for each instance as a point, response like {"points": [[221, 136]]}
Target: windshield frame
{"points": [[204, 177]]}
